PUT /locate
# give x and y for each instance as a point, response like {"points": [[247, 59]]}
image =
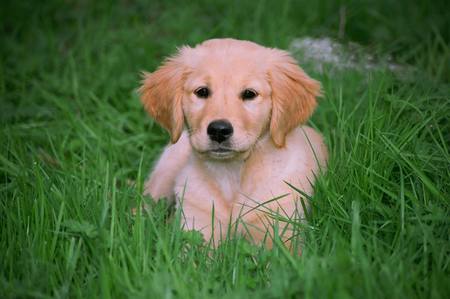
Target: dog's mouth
{"points": [[221, 150], [221, 153]]}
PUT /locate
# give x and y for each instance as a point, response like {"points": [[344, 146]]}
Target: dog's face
{"points": [[226, 104], [228, 93]]}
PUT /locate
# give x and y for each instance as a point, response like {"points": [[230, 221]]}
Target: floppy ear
{"points": [[161, 93], [293, 96]]}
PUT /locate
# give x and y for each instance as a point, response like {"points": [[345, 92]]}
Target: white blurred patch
{"points": [[327, 54]]}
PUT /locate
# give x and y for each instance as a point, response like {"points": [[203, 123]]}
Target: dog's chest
{"points": [[226, 177]]}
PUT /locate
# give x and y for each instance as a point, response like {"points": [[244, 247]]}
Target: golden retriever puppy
{"points": [[234, 111]]}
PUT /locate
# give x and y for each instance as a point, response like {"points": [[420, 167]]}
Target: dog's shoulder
{"points": [[180, 150], [172, 161], [310, 142], [303, 145]]}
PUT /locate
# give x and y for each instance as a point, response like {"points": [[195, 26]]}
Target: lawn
{"points": [[76, 147]]}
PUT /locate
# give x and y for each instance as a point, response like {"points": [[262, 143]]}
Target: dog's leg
{"points": [[202, 206], [206, 221], [274, 222], [162, 179]]}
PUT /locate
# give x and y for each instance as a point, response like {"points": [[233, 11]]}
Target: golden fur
{"points": [[269, 146]]}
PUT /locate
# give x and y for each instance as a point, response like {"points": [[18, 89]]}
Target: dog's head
{"points": [[228, 93]]}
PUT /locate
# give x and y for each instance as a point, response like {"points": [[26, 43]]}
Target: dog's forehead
{"points": [[235, 56], [230, 63]]}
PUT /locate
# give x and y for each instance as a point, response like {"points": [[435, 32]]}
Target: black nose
{"points": [[220, 130]]}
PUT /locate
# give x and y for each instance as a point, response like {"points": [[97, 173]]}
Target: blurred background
{"points": [[41, 34]]}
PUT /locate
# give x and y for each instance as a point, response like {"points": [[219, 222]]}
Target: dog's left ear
{"points": [[293, 95], [161, 93]]}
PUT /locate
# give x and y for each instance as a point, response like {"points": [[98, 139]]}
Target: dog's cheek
{"points": [[196, 105], [197, 134], [258, 115], [250, 123], [191, 111]]}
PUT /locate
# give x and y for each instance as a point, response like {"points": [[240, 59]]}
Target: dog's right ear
{"points": [[161, 93]]}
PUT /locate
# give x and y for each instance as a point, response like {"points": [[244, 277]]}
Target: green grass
{"points": [[74, 136]]}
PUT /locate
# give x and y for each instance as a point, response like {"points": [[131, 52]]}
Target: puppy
{"points": [[234, 111]]}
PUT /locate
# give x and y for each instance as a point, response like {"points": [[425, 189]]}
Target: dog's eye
{"points": [[249, 94], [202, 92]]}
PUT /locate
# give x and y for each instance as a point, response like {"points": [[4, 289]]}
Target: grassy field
{"points": [[74, 138]]}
